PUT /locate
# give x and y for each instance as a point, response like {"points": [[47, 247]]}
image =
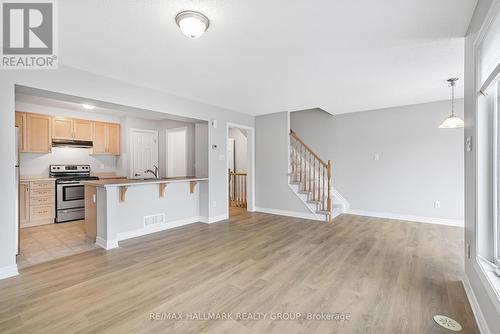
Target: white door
{"points": [[177, 152], [143, 152], [230, 154]]}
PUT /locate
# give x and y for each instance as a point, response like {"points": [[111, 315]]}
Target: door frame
{"points": [[131, 146], [179, 129], [250, 165]]}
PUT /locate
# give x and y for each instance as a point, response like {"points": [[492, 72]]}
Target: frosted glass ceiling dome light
{"points": [[192, 24], [453, 121]]}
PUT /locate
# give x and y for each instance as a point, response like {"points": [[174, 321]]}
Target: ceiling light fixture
{"points": [[88, 106], [191, 23], [453, 121]]}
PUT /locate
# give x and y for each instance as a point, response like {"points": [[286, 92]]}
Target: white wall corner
{"points": [[476, 309], [8, 271], [409, 218], [106, 244]]}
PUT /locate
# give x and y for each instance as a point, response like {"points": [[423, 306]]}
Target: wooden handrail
{"points": [[296, 137], [311, 173]]}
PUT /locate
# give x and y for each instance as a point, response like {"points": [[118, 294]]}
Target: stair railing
{"points": [[312, 173], [237, 189]]}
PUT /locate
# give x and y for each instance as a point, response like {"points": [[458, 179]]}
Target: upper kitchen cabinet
{"points": [[35, 132], [106, 138], [71, 129]]}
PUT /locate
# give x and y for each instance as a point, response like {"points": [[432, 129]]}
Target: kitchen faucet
{"points": [[155, 172]]}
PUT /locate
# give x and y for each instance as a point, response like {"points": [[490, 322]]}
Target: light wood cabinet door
{"points": [[62, 128], [21, 124], [38, 133], [99, 138], [24, 203], [113, 135], [82, 129]]}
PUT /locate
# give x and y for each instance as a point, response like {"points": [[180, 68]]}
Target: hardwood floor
{"points": [[389, 276], [48, 242]]}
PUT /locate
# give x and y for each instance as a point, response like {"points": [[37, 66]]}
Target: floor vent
{"points": [[154, 219], [447, 323]]}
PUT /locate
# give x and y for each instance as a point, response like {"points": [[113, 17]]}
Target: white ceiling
{"points": [[263, 56]]}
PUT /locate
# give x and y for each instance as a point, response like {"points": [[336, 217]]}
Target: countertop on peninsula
{"points": [[133, 182]]}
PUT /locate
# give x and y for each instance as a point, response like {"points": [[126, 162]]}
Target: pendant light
{"points": [[453, 121]]}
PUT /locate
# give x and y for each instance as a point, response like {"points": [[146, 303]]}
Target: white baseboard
{"points": [[216, 219], [8, 271], [160, 227], [418, 219], [478, 314], [287, 213], [106, 244]]}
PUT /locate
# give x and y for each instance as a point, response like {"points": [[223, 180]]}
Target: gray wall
{"points": [[418, 163], [271, 159], [477, 284]]}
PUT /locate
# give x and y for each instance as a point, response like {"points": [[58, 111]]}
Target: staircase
{"points": [[310, 178]]}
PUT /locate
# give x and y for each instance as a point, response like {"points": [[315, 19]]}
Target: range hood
{"points": [[72, 143]]}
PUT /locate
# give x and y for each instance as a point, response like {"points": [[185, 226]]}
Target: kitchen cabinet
{"points": [[21, 125], [71, 129], [38, 131], [36, 202], [106, 138]]}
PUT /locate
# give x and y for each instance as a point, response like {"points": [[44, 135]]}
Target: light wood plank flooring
{"points": [[49, 242], [390, 276]]}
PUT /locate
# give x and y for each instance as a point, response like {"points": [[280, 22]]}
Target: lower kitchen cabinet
{"points": [[36, 202]]}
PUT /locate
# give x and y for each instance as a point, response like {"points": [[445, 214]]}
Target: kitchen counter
{"points": [[132, 182], [119, 209]]}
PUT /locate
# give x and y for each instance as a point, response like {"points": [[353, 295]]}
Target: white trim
{"points": [[476, 309], [491, 283], [158, 228], [417, 219], [287, 213], [106, 244], [9, 271], [216, 219]]}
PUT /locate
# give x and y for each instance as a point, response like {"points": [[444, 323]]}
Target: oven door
{"points": [[70, 195]]}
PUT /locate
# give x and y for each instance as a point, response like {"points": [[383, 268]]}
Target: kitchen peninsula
{"points": [[120, 209]]}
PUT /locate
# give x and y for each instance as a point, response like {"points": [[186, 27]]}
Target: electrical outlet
{"points": [[437, 205]]}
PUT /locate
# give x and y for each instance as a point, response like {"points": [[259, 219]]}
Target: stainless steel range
{"points": [[70, 192]]}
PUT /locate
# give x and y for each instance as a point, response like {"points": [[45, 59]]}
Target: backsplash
{"points": [[38, 164]]}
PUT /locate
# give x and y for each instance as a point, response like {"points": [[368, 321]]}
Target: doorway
{"points": [[144, 152], [177, 152], [240, 167]]}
